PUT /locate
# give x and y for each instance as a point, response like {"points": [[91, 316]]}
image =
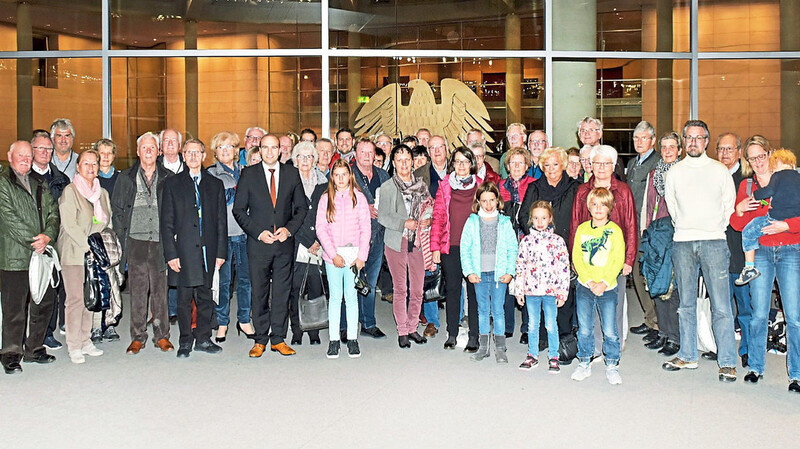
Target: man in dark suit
{"points": [[194, 232], [270, 206]]}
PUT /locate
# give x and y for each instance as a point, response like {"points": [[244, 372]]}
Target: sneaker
{"points": [[333, 350], [50, 342], [582, 371], [76, 356], [747, 275], [727, 374], [352, 349], [91, 350], [62, 330], [612, 374], [111, 334], [595, 358], [554, 368], [676, 364], [529, 363], [97, 336]]}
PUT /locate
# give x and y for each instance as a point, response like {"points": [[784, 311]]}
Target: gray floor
{"points": [[422, 397]]}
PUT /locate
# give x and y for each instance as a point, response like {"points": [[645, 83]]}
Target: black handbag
{"points": [[567, 348], [362, 288], [433, 287], [96, 285], [313, 311]]}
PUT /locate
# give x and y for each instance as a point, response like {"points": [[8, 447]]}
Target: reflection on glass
{"points": [[54, 25], [742, 25]]}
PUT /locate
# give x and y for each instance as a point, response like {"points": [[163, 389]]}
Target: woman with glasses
{"points": [[604, 159], [574, 166]]}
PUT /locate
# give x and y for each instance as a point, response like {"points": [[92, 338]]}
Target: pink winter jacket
{"points": [[440, 227], [350, 226]]}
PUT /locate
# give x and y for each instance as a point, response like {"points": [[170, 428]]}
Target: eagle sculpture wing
{"points": [[381, 113], [460, 111]]}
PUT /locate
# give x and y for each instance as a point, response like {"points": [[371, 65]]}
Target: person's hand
{"points": [[425, 223], [267, 237], [598, 288], [219, 263], [775, 227], [373, 213], [175, 264], [747, 205], [560, 302], [282, 234], [411, 224], [474, 278], [359, 263], [338, 261], [626, 269], [314, 248], [40, 242], [521, 300], [437, 257], [505, 279]]}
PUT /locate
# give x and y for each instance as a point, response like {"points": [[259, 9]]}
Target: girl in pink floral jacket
{"points": [[542, 282]]}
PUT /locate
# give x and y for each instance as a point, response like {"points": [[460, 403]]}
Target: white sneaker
{"points": [[582, 371], [612, 374], [91, 350], [76, 356]]}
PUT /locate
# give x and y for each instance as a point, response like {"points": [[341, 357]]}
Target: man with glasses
{"points": [[63, 134], [515, 136], [485, 171], [170, 158], [639, 168], [590, 132], [436, 169], [537, 143], [729, 151], [252, 138], [700, 195]]}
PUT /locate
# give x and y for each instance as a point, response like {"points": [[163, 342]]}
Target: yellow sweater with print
{"points": [[598, 253]]}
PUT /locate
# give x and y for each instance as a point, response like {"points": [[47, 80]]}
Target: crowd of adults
{"points": [[281, 217]]}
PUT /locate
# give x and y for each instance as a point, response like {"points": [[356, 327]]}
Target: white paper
{"points": [[348, 253], [304, 256]]}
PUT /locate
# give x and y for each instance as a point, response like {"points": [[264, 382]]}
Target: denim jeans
{"points": [[431, 311], [491, 296], [741, 294], [366, 304], [172, 301], [783, 263], [752, 232], [237, 254], [712, 257], [535, 305], [341, 284], [606, 306]]}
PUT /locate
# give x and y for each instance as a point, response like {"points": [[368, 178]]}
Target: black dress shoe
{"points": [[173, 319], [472, 345], [11, 364], [670, 349], [509, 334], [658, 343], [40, 357], [523, 339], [184, 351], [709, 355], [450, 343], [417, 338], [403, 342], [744, 361], [752, 377], [650, 336], [315, 340], [641, 329], [794, 386], [207, 346], [373, 332], [343, 336]]}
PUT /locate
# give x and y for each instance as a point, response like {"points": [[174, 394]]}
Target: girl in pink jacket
{"points": [[343, 230]]}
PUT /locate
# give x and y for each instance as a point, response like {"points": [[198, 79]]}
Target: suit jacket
{"points": [[637, 178], [180, 228], [253, 210], [733, 236], [430, 177]]}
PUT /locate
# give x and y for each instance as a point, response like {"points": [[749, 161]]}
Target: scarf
{"points": [[512, 186], [414, 193], [465, 183], [553, 193], [482, 172], [92, 194], [483, 214], [659, 176]]}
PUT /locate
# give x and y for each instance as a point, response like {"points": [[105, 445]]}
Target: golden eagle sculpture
{"points": [[459, 111]]}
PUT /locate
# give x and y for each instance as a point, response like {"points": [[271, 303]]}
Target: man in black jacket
{"points": [[194, 232], [270, 206]]}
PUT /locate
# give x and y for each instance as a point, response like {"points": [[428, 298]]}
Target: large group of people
{"points": [[549, 233]]}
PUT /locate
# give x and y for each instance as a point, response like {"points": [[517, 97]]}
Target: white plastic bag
{"points": [[705, 334]]}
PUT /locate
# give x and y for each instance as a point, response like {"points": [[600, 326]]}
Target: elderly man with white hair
{"points": [[63, 134], [590, 133], [516, 136], [252, 138]]}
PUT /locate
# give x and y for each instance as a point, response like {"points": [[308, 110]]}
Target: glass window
{"points": [[73, 25], [742, 25]]}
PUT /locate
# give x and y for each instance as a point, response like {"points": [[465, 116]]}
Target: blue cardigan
{"points": [[506, 252]]}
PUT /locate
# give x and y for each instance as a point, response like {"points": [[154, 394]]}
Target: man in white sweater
{"points": [[700, 196]]}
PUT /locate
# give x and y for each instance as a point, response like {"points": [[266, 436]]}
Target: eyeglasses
{"points": [[43, 148], [436, 147], [590, 130], [695, 138], [252, 138], [584, 159], [302, 157], [726, 149], [225, 147], [759, 158], [192, 153], [462, 162], [540, 142], [383, 144], [603, 164]]}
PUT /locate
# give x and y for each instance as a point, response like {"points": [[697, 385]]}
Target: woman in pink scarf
{"points": [[84, 209]]}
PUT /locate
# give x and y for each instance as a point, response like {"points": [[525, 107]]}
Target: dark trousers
{"points": [[18, 309], [58, 317], [269, 317], [667, 312], [451, 264], [148, 281], [314, 286], [205, 307]]}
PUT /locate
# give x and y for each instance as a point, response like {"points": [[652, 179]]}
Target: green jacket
{"points": [[19, 220]]}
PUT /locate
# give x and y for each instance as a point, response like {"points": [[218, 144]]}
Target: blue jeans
{"points": [[172, 301], [431, 311], [783, 263], [606, 305], [534, 305], [752, 232], [341, 284], [366, 304], [490, 295], [711, 256], [237, 254], [741, 294]]}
